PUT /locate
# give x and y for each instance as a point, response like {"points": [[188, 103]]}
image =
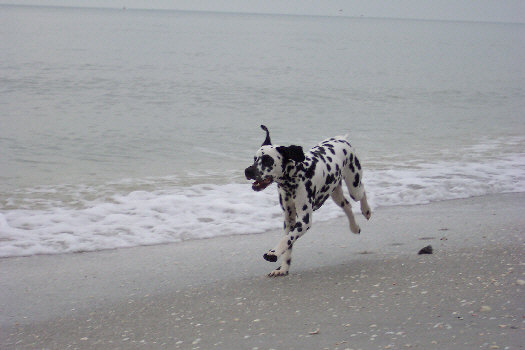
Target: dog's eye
{"points": [[267, 161]]}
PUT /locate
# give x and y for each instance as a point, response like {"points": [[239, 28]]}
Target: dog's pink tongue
{"points": [[261, 185]]}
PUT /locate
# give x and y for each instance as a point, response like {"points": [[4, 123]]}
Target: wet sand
{"points": [[344, 291]]}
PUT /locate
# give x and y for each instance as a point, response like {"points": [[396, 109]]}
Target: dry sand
{"points": [[344, 291]]}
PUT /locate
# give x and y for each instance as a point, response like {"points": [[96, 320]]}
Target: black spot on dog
{"points": [[356, 180], [305, 207], [351, 166], [267, 163], [310, 171], [309, 190], [357, 164], [306, 218], [318, 203]]}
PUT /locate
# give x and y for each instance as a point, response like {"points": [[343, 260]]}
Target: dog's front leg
{"points": [[285, 265], [289, 222], [284, 247]]}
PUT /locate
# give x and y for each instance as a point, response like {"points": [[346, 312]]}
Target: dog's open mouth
{"points": [[260, 185]]}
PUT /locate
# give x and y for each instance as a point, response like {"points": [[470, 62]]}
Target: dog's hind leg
{"points": [[356, 188], [365, 208], [339, 199]]}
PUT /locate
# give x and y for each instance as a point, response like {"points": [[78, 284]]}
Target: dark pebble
{"points": [[427, 250]]}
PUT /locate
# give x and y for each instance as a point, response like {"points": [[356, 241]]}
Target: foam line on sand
{"points": [[344, 291]]}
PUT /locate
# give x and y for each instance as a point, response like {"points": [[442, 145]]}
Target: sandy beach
{"points": [[344, 291]]}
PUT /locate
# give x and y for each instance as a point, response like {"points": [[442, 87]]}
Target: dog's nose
{"points": [[249, 172]]}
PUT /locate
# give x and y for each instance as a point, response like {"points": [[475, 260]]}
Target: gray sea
{"points": [[133, 127]]}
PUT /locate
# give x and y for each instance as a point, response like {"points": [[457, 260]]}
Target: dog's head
{"points": [[270, 162]]}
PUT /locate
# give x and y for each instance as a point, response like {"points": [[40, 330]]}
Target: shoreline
{"points": [[344, 291], [153, 245]]}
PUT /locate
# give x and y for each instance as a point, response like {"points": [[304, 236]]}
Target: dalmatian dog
{"points": [[304, 182]]}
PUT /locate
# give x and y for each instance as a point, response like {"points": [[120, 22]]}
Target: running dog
{"points": [[304, 182]]}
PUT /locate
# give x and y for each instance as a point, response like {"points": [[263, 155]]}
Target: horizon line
{"points": [[362, 16]]}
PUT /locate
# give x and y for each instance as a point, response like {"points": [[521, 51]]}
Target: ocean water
{"points": [[125, 128]]}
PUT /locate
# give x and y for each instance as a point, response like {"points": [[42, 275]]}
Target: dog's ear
{"points": [[267, 140], [292, 152]]}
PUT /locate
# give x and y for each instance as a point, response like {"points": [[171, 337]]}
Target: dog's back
{"points": [[327, 165]]}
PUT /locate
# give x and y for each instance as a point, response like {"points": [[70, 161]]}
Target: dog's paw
{"points": [[270, 256], [278, 273], [366, 211], [355, 229]]}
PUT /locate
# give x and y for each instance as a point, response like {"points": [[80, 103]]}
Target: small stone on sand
{"points": [[427, 250]]}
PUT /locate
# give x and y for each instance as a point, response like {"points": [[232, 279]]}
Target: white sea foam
{"points": [[208, 210], [431, 182]]}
